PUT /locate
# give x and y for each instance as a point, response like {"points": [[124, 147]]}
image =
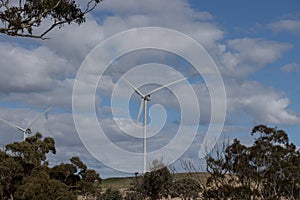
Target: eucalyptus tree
{"points": [[35, 18], [25, 173], [267, 169]]}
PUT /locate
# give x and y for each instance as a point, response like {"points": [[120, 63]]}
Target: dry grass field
{"points": [[117, 183], [124, 182]]}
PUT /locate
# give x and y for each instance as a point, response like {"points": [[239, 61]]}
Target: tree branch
{"points": [[16, 20]]}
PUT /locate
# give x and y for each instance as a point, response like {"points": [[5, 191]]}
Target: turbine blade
{"points": [[134, 88], [38, 117], [13, 125], [140, 111], [164, 86]]}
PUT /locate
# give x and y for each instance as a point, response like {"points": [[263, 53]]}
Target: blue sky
{"points": [[255, 19], [255, 45]]}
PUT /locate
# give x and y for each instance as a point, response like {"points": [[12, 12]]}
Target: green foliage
{"points": [[22, 17], [117, 183], [33, 150], [134, 195], [40, 186], [157, 183], [269, 169], [186, 188], [11, 175], [111, 194], [154, 184], [24, 173], [77, 177], [22, 160]]}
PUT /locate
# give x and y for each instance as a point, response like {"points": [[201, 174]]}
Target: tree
{"points": [[33, 150], [25, 174], [186, 188], [20, 160], [134, 195], [111, 194], [11, 175], [21, 18], [269, 169], [40, 186], [136, 191], [157, 183], [77, 177]]}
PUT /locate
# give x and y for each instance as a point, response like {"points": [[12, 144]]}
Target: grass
{"points": [[202, 176], [124, 182], [117, 183]]}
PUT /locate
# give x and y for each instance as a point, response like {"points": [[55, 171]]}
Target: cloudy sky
{"points": [[254, 45]]}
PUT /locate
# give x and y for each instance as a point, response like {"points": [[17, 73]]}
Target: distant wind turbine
{"points": [[26, 131], [144, 100]]}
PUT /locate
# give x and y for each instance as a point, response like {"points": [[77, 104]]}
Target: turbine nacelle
{"points": [[28, 131], [147, 98]]}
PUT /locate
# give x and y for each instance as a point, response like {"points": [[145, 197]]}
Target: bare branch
{"points": [[88, 8], [52, 27]]}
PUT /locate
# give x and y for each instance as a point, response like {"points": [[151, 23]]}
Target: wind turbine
{"points": [[143, 105], [26, 131]]}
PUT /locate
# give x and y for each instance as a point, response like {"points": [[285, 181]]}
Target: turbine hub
{"points": [[28, 131], [147, 98]]}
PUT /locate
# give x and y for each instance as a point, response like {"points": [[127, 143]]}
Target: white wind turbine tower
{"points": [[143, 105], [26, 131]]}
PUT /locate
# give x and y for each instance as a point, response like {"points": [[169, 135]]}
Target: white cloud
{"points": [[169, 7], [44, 75], [50, 68], [262, 104], [174, 14], [286, 25], [242, 57], [292, 67], [74, 42], [26, 70]]}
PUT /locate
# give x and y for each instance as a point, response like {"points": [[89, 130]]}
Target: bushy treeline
{"points": [[266, 170], [161, 183], [25, 173], [269, 169]]}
